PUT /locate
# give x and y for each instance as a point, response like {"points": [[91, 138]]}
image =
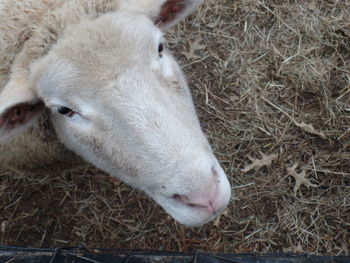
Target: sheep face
{"points": [[119, 99]]}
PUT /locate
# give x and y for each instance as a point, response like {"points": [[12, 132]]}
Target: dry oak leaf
{"points": [[257, 164], [300, 178], [310, 129], [217, 220], [194, 46]]}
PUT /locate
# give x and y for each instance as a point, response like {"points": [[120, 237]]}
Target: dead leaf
{"points": [[213, 24], [300, 178], [257, 164], [310, 129], [217, 220], [297, 249], [194, 46], [113, 181], [312, 6], [3, 227], [234, 98]]}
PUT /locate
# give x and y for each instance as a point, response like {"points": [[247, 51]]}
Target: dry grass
{"points": [[267, 64]]}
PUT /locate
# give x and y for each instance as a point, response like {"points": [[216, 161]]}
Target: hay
{"points": [[265, 67]]}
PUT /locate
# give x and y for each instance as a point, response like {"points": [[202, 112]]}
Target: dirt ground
{"points": [[261, 72]]}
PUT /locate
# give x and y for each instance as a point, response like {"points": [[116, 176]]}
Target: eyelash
{"points": [[66, 111]]}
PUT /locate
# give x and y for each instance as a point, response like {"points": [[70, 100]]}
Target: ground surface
{"points": [[260, 72]]}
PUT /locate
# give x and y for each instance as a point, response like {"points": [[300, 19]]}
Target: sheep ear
{"points": [[173, 11], [19, 109]]}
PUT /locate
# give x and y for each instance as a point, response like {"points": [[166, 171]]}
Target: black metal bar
{"points": [[83, 255]]}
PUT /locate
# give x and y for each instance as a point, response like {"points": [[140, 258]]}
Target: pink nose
{"points": [[206, 199]]}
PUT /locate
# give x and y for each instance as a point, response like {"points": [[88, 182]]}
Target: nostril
{"points": [[187, 201], [181, 198], [214, 172], [215, 175], [177, 197]]}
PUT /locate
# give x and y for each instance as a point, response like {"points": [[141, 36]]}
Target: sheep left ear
{"points": [[19, 109], [173, 11]]}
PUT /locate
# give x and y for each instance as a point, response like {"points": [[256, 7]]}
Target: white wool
{"points": [[110, 98]]}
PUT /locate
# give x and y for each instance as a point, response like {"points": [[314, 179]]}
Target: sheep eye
{"points": [[160, 49], [65, 111]]}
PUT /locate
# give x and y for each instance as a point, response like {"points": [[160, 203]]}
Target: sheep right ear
{"points": [[173, 11], [19, 109], [164, 13]]}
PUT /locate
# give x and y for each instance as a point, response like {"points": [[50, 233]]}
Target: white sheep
{"points": [[93, 79]]}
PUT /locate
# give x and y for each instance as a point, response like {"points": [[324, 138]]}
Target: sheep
{"points": [[93, 81]]}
